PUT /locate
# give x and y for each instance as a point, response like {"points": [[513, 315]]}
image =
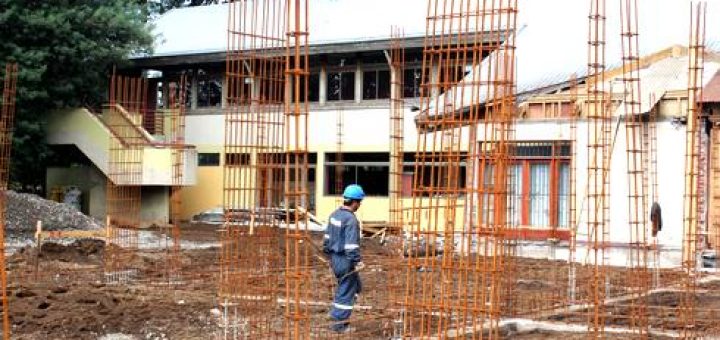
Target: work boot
{"points": [[345, 330]]}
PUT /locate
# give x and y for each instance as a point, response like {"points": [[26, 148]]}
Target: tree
{"points": [[65, 49]]}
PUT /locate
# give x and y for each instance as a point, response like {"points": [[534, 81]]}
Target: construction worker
{"points": [[342, 244]]}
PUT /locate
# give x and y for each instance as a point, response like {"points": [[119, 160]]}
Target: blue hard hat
{"points": [[354, 192]]}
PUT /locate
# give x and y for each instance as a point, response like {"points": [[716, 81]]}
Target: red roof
{"points": [[711, 92]]}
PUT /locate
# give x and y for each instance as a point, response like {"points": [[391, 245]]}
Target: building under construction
{"points": [[529, 170]]}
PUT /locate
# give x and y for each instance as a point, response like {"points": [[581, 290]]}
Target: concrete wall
{"points": [[155, 208], [91, 182], [81, 128]]}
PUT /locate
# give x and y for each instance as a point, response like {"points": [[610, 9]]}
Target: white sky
{"points": [[551, 47]]}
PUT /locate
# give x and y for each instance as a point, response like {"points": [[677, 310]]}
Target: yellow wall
{"points": [[207, 191]]}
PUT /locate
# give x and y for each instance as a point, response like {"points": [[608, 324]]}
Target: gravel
{"points": [[24, 210]]}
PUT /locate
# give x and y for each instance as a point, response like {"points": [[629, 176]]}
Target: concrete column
{"points": [[358, 81], [223, 99], [322, 94], [435, 79], [193, 91], [289, 89]]}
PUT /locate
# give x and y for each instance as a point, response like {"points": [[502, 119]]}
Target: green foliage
{"points": [[65, 50]]}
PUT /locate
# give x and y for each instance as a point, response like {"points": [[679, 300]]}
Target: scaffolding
{"points": [[9, 92]]}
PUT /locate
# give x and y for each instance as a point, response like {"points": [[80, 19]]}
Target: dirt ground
{"points": [[69, 299], [61, 293]]}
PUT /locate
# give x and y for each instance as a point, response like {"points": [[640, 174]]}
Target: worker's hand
{"points": [[359, 266]]}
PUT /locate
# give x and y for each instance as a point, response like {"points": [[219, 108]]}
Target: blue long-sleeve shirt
{"points": [[342, 235]]}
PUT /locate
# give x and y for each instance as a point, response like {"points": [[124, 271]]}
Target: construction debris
{"points": [[24, 210]]}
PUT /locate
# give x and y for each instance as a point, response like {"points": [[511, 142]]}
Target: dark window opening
{"points": [[341, 86], [438, 180], [359, 157], [412, 80], [369, 170], [237, 159], [209, 159], [209, 89], [313, 93], [376, 84], [373, 179]]}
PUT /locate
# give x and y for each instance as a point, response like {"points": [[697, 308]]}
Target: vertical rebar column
{"points": [[653, 119], [691, 230], [467, 96], [598, 162], [638, 278], [339, 169], [176, 101], [123, 117], [9, 91], [397, 67], [250, 254], [572, 206], [297, 253]]}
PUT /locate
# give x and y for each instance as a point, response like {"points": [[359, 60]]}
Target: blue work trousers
{"points": [[348, 286]]}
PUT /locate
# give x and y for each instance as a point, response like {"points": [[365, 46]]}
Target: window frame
{"points": [[205, 164], [376, 69], [382, 160], [341, 71], [555, 160]]}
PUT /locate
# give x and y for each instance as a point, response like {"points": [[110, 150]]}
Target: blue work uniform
{"points": [[342, 243]]}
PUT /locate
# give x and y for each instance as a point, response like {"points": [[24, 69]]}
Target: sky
{"points": [[551, 46]]}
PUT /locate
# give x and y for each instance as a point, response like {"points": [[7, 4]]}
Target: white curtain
{"points": [[564, 195], [515, 186], [539, 195], [488, 204]]}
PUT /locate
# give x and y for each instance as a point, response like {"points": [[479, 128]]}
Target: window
{"points": [[239, 90], [313, 88], [412, 79], [369, 170], [237, 159], [209, 89], [208, 159], [341, 86], [376, 84], [538, 185], [433, 180]]}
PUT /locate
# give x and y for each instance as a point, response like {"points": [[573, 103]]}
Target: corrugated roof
{"points": [[663, 76], [551, 48]]}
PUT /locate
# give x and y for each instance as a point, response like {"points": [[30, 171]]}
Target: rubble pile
{"points": [[24, 210]]}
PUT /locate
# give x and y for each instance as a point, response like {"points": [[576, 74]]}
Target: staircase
{"points": [[95, 135]]}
